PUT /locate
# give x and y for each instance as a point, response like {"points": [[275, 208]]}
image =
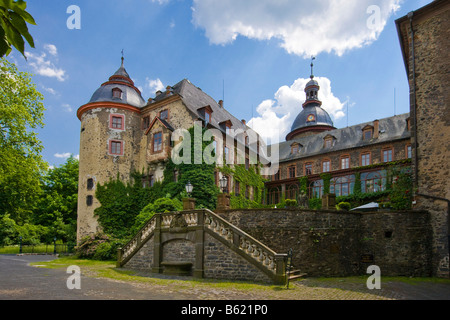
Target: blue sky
{"points": [[255, 54]]}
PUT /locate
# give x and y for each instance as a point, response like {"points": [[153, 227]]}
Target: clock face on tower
{"points": [[311, 118]]}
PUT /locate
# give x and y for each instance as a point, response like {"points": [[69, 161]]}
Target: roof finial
{"points": [[312, 66], [122, 57]]}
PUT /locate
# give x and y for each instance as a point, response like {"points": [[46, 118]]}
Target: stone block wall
{"points": [[331, 243], [223, 263]]}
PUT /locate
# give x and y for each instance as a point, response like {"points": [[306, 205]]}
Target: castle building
{"points": [[122, 133], [315, 147]]}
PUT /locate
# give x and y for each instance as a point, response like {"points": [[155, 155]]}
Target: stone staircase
{"points": [[214, 247]]}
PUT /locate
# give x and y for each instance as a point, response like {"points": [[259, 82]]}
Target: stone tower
{"points": [[424, 41], [109, 142]]}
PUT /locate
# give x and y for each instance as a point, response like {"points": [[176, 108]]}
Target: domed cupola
{"points": [[313, 118], [120, 89]]}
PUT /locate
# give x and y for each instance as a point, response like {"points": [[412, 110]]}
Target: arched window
{"points": [[342, 186], [316, 189], [292, 191]]}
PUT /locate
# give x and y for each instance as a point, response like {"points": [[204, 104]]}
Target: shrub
{"points": [[290, 203], [344, 206]]}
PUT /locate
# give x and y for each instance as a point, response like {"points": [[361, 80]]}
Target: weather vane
{"points": [[122, 56], [312, 66]]}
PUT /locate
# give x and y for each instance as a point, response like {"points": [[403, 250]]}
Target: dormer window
{"points": [[226, 126], [328, 141], [117, 93], [206, 113], [295, 148], [367, 132]]}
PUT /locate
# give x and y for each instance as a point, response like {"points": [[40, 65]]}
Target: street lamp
{"points": [[223, 183], [54, 245], [189, 188]]}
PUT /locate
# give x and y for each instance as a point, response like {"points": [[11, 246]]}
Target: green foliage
{"points": [[198, 173], [159, 206], [400, 197], [13, 26], [246, 177], [315, 203], [10, 233], [304, 184], [343, 206], [290, 203], [118, 208], [57, 204], [21, 164], [326, 177], [98, 246]]}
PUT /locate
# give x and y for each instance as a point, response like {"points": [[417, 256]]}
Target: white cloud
{"points": [[303, 27], [63, 155], [67, 107], [51, 48], [44, 65], [276, 116], [154, 85]]}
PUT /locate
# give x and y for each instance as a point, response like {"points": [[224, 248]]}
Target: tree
{"points": [[21, 164], [57, 205], [13, 26]]}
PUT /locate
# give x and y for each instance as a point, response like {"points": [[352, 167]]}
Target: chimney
{"points": [[168, 90], [243, 121], [221, 103], [376, 128]]}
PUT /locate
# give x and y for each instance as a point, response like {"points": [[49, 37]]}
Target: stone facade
{"points": [[425, 45], [122, 134]]}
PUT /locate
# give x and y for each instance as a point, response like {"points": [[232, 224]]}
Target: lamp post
{"points": [[20, 239], [223, 183], [223, 199], [54, 245], [189, 203], [189, 187]]}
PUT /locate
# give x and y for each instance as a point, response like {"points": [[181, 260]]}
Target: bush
{"points": [[159, 206], [290, 203], [343, 206], [99, 247]]}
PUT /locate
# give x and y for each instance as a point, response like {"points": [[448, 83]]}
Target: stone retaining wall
{"points": [[336, 243]]}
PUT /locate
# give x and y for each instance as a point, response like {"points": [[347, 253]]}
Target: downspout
{"points": [[413, 102]]}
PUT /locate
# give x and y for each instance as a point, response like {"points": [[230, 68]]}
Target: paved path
{"points": [[20, 281]]}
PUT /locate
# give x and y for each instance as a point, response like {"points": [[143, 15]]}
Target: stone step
{"points": [[295, 274]]}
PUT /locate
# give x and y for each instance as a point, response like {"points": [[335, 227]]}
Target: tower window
{"points": [[90, 184], [116, 147], [117, 121], [89, 200], [117, 93]]}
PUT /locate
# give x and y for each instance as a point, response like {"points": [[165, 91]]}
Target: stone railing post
{"points": [[119, 257], [157, 268], [280, 262], [199, 245]]}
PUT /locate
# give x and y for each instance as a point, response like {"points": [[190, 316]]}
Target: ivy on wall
{"points": [[247, 178]]}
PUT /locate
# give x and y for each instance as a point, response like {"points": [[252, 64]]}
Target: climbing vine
{"points": [[247, 178]]}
